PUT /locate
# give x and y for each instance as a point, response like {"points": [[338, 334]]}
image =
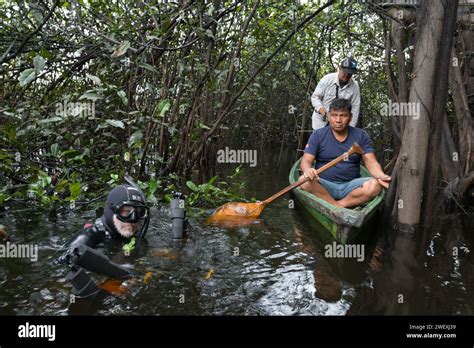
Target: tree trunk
{"points": [[414, 150], [438, 116], [463, 114], [407, 189]]}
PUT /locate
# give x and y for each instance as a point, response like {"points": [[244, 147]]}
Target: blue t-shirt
{"points": [[325, 147]]}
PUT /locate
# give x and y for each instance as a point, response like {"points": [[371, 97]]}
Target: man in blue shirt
{"points": [[341, 185]]}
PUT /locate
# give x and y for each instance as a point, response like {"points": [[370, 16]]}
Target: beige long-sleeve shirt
{"points": [[325, 93]]}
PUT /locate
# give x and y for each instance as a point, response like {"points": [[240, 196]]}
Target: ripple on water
{"points": [[256, 270]]}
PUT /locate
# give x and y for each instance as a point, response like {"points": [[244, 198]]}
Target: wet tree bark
{"points": [[414, 149], [438, 116], [463, 115], [417, 170]]}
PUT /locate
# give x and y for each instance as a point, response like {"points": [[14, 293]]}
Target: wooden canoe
{"points": [[343, 224]]}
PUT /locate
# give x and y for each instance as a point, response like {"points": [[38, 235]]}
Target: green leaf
{"points": [[148, 67], [90, 95], [46, 54], [94, 78], [61, 186], [38, 15], [210, 34], [122, 49], [69, 153], [163, 107], [27, 76], [135, 138], [50, 120], [203, 126], [54, 149], [192, 186], [129, 247], [126, 156], [75, 190], [287, 66], [123, 96], [153, 186], [115, 123], [211, 181], [38, 62]]}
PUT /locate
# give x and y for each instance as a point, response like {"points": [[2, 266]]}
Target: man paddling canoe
{"points": [[341, 185]]}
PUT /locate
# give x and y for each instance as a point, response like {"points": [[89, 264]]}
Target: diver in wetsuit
{"points": [[126, 215]]}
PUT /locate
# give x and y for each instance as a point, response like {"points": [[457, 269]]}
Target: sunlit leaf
{"points": [[153, 185], [38, 15], [122, 49], [147, 277], [74, 190], [163, 107], [54, 149], [90, 95], [50, 120], [210, 34], [203, 126], [135, 138], [94, 78], [115, 123], [129, 247], [192, 186], [38, 62], [27, 76], [209, 274]]}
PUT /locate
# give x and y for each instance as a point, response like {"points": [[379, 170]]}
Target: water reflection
{"points": [[274, 267]]}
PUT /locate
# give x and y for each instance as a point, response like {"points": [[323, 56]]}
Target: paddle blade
{"points": [[115, 287], [234, 221], [236, 210]]}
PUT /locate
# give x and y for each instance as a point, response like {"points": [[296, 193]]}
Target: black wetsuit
{"points": [[93, 234], [79, 253], [96, 234]]}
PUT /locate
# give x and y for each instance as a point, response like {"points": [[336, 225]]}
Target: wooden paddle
{"points": [[235, 210]]}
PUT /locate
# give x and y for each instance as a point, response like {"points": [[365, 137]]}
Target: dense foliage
{"points": [[94, 89]]}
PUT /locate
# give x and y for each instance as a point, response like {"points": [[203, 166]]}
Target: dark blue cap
{"points": [[349, 65]]}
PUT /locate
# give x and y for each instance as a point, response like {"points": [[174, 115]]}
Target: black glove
{"points": [[65, 258]]}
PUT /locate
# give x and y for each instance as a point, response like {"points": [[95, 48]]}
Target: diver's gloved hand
{"points": [[92, 260], [65, 258], [95, 261]]}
